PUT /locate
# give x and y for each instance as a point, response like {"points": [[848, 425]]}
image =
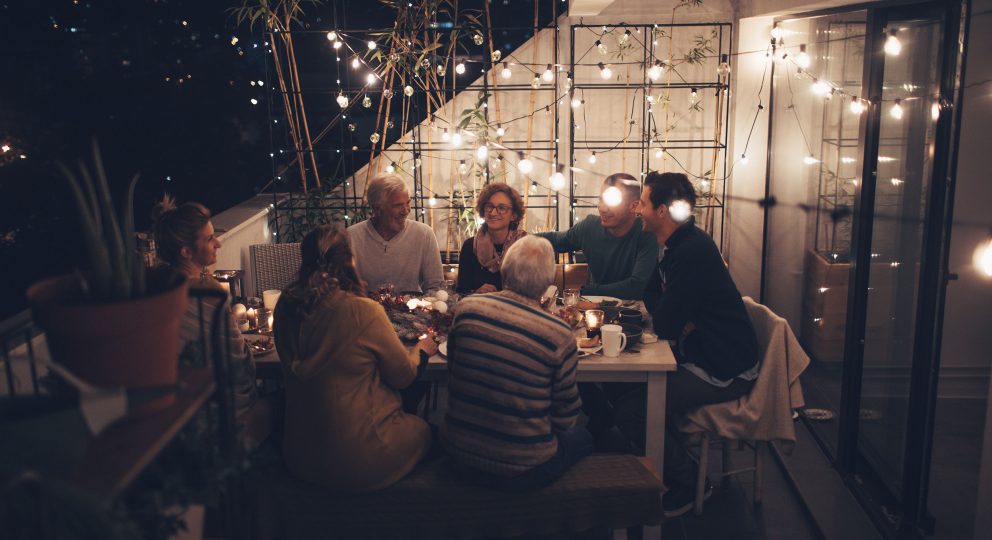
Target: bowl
{"points": [[633, 333], [631, 316]]}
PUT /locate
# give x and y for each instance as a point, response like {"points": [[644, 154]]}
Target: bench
{"points": [[600, 492]]}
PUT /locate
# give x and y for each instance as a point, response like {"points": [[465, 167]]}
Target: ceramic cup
{"points": [[614, 339]]}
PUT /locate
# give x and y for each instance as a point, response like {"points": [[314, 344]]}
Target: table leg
{"points": [[654, 436]]}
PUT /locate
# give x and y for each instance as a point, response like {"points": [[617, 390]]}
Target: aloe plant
{"points": [[113, 269]]}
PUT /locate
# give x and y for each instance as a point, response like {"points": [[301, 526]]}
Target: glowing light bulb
{"points": [[254, 101], [896, 181], [408, 90], [892, 44], [525, 166], [432, 202], [371, 45], [337, 45], [655, 72], [857, 106], [810, 160], [480, 221], [693, 97], [659, 153], [802, 59], [536, 82], [332, 36], [612, 196], [744, 159], [462, 167], [446, 137], [456, 139], [342, 100], [601, 47], [821, 88], [896, 110], [548, 75], [576, 103], [777, 32], [557, 180], [592, 158], [460, 68], [983, 258], [533, 188], [500, 131], [679, 210], [723, 70], [482, 153], [355, 63], [625, 37], [935, 111], [605, 71], [391, 168], [506, 73], [370, 78]]}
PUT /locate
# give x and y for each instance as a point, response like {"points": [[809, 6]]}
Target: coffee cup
{"points": [[614, 339]]}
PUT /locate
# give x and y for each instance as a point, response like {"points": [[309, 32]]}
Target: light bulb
{"points": [[500, 131], [604, 71], [506, 73], [548, 75], [391, 168], [592, 158], [482, 153], [557, 180], [254, 101], [456, 139], [896, 110], [810, 160], [355, 63], [371, 45], [659, 153], [432, 202], [743, 159], [892, 44], [679, 211], [342, 100], [693, 97], [462, 167], [460, 68], [857, 106], [656, 70], [935, 111], [332, 36], [524, 165], [576, 103], [337, 45], [723, 70], [536, 82], [896, 181], [601, 47], [408, 90], [445, 136], [802, 59], [983, 258], [625, 37], [821, 88], [370, 78], [612, 196], [533, 188], [777, 32]]}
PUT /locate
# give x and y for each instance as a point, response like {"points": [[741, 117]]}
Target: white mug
{"points": [[614, 340], [269, 298]]}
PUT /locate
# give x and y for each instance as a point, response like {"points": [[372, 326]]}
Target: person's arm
{"points": [[673, 307], [562, 242], [431, 274], [397, 364], [631, 288], [468, 268], [565, 400]]}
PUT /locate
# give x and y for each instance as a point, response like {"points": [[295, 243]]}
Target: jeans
{"points": [[573, 445]]}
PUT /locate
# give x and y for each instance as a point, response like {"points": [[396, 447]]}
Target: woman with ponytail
{"points": [[344, 367]]}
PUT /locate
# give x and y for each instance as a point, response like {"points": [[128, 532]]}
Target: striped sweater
{"points": [[511, 384]]}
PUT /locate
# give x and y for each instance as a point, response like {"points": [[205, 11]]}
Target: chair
{"points": [[274, 265], [766, 414]]}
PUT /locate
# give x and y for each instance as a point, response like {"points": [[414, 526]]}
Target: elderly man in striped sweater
{"points": [[513, 400]]}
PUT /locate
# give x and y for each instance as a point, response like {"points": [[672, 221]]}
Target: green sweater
{"points": [[619, 267]]}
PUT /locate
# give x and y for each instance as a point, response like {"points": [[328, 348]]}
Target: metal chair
{"points": [[274, 265]]}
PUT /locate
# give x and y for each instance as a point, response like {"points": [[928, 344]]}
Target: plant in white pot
{"points": [[112, 322]]}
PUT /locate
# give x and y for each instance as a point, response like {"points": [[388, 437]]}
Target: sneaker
{"points": [[679, 499]]}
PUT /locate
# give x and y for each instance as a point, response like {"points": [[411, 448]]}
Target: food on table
{"points": [[587, 343]]}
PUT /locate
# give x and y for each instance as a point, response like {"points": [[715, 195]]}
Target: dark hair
{"points": [[327, 266], [668, 187], [516, 201], [627, 183], [176, 227]]}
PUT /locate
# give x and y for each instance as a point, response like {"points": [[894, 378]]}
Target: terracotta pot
{"points": [[133, 344]]}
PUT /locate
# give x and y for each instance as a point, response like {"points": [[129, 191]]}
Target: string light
{"points": [[370, 78], [557, 180], [371, 45], [592, 158], [342, 100], [506, 73], [896, 110], [536, 82], [533, 188], [462, 167], [679, 210], [460, 68], [693, 97], [482, 153], [659, 153], [601, 47], [576, 102], [821, 88], [892, 44], [446, 137], [332, 36], [456, 139], [935, 111], [743, 159], [656, 70], [612, 196], [723, 70], [777, 32], [337, 45], [391, 168], [524, 165], [625, 37], [857, 106], [408, 90], [355, 63], [896, 181], [254, 101], [983, 258], [432, 202], [802, 59], [810, 160], [500, 131], [548, 75]]}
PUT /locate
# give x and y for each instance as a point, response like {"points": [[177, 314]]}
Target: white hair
{"points": [[380, 188], [529, 266]]}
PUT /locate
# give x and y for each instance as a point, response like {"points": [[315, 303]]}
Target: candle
{"points": [[271, 318], [594, 319], [252, 318]]}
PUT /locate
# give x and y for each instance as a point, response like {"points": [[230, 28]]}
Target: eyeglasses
{"points": [[501, 209]]}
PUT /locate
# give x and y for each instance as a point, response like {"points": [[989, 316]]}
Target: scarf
{"points": [[485, 250]]}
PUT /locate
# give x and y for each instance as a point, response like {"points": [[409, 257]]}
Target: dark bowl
{"points": [[631, 316], [633, 333]]}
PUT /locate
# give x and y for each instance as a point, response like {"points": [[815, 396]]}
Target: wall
{"points": [[239, 227]]}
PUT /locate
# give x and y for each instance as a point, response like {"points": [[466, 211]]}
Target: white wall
{"points": [[242, 226]]}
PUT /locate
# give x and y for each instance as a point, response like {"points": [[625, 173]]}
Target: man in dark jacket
{"points": [[695, 305]]}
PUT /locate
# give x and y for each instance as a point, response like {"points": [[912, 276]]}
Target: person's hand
{"points": [[488, 287], [428, 345]]}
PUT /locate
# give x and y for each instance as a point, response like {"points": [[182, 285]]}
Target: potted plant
{"points": [[112, 322]]}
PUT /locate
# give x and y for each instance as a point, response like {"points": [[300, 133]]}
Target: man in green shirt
{"points": [[621, 256]]}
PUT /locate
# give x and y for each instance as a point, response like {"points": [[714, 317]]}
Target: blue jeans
{"points": [[573, 445]]}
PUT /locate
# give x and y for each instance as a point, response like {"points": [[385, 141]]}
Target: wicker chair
{"points": [[274, 265]]}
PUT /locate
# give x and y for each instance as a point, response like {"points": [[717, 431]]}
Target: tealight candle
{"points": [[271, 319], [594, 320], [252, 316]]}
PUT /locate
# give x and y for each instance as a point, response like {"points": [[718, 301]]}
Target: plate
{"points": [[599, 300], [589, 351], [442, 349], [259, 348]]}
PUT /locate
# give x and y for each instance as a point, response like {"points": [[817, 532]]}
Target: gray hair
{"points": [[529, 266], [380, 188]]}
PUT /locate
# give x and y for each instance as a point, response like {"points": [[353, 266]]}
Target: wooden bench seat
{"points": [[608, 491]]}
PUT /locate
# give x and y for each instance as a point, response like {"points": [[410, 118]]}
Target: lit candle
{"points": [[252, 318], [594, 319], [271, 318]]}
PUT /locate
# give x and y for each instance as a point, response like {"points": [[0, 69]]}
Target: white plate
{"points": [[589, 351], [442, 349], [601, 299]]}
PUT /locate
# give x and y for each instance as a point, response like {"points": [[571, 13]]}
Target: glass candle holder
{"points": [[570, 297], [594, 321]]}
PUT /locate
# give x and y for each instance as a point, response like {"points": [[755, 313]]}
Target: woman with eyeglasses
{"points": [[478, 266]]}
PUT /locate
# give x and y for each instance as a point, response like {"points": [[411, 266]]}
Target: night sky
{"points": [[166, 93]]}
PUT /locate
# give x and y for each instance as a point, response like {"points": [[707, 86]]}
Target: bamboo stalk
{"points": [[291, 57], [293, 130], [533, 99]]}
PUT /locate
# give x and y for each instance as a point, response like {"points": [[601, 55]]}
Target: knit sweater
{"points": [[618, 267], [410, 260], [511, 384]]}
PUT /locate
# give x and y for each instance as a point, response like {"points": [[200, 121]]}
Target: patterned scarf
{"points": [[485, 250]]}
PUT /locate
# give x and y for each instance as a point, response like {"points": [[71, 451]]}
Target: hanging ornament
{"points": [[497, 54], [478, 39], [342, 100], [366, 102], [408, 90], [374, 138]]}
